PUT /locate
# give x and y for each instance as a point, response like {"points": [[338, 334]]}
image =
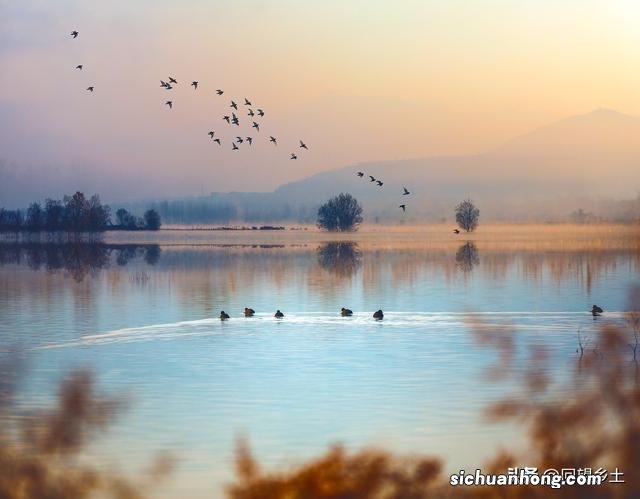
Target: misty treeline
{"points": [[254, 208], [75, 213], [223, 209]]}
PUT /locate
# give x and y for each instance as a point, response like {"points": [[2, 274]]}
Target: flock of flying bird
{"points": [[405, 191], [232, 119]]}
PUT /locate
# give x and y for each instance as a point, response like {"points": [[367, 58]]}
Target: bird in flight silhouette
{"points": [[251, 113], [234, 105], [226, 118], [373, 179], [169, 103], [211, 133], [247, 102], [218, 141], [239, 140], [404, 207], [360, 174], [303, 145], [234, 119], [194, 84], [235, 147], [173, 80], [273, 139], [79, 66], [74, 34], [406, 192], [219, 92], [260, 112], [293, 156], [380, 182], [456, 231], [250, 140], [256, 126], [90, 89]]}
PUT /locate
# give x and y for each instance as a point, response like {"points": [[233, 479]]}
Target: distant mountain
{"points": [[544, 173]]}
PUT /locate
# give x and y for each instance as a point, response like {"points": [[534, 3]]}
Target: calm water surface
{"points": [[143, 316]]}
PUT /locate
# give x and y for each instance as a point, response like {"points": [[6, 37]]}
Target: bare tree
{"points": [[467, 215], [342, 213]]}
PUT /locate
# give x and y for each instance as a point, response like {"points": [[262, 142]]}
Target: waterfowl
{"points": [[345, 312], [224, 316], [378, 315], [279, 315], [248, 312], [596, 310]]}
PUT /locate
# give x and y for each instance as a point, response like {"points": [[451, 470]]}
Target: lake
{"points": [[141, 310]]}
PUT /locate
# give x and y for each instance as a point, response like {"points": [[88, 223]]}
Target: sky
{"points": [[356, 80]]}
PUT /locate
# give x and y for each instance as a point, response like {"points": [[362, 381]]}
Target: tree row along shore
{"points": [[77, 214], [74, 214]]}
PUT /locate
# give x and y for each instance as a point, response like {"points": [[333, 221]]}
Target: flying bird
{"points": [[251, 113], [79, 66], [250, 140], [406, 192], [404, 207], [239, 140], [163, 83], [247, 102], [293, 156], [360, 174], [234, 105], [219, 92], [218, 141], [380, 182], [211, 133], [273, 139], [194, 84], [74, 34], [235, 147], [173, 80], [234, 119], [169, 103], [90, 89], [303, 145], [260, 112], [256, 126], [372, 178], [226, 118], [168, 87], [456, 231]]}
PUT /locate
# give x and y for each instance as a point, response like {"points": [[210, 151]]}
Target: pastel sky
{"points": [[356, 80]]}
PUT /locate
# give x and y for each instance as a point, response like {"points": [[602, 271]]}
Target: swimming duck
{"points": [[346, 312], [279, 315], [378, 315], [248, 312], [596, 310], [224, 316]]}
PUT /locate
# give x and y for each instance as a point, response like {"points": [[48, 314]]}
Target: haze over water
{"points": [[144, 317]]}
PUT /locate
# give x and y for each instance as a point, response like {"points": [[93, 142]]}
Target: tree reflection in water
{"points": [[340, 258], [467, 256], [78, 259]]}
